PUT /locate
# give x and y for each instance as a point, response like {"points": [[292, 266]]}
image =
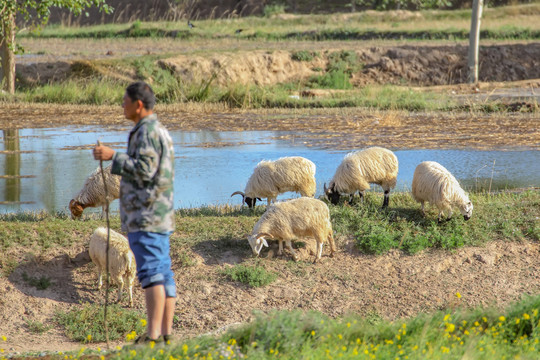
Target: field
{"points": [[394, 79]]}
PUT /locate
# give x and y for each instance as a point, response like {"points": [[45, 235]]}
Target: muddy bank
{"points": [[400, 65], [350, 128]]}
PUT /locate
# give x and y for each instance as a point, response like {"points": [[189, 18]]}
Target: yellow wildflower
{"points": [[143, 322], [517, 321], [502, 318], [458, 295], [312, 332], [348, 324], [526, 316], [446, 317], [89, 337]]}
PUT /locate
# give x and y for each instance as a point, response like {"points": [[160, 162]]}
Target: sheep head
{"points": [[331, 193], [257, 241], [466, 210], [250, 202], [76, 209]]}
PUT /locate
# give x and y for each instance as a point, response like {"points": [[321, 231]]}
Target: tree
{"points": [[34, 14]]}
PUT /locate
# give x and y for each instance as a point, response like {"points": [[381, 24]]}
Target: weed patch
{"points": [[86, 323], [254, 276], [40, 283]]}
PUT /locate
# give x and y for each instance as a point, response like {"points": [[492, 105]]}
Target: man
{"points": [[146, 205]]}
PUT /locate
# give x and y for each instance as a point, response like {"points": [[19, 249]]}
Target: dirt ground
{"points": [[390, 286]]}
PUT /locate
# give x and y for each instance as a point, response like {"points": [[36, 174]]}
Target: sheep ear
{"points": [[264, 242]]}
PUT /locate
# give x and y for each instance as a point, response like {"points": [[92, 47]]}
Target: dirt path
{"points": [[390, 286]]}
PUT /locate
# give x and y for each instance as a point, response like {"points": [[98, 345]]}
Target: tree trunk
{"points": [[7, 54], [474, 39]]}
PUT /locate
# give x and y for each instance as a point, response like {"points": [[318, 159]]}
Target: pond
{"points": [[42, 169]]}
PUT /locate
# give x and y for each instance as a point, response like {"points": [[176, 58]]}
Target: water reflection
{"points": [[12, 166], [207, 174]]}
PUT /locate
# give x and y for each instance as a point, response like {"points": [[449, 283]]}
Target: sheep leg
{"points": [[332, 244], [130, 289], [422, 209], [120, 288], [386, 200], [280, 250], [289, 246], [100, 279], [319, 250]]}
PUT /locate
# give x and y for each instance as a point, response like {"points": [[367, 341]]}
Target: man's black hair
{"points": [[142, 91]]}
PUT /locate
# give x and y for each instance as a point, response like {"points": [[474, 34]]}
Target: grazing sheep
{"points": [[122, 267], [291, 219], [92, 193], [358, 169], [433, 183], [271, 178]]}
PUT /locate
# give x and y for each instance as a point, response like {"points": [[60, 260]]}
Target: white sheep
{"points": [[433, 183], [292, 219], [271, 178], [92, 193], [374, 165], [122, 266]]}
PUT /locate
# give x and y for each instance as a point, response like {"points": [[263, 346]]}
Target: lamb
{"points": [[374, 165], [434, 183], [92, 193], [271, 178], [288, 220], [122, 266]]}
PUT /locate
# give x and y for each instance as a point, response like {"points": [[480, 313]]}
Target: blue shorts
{"points": [[151, 252]]}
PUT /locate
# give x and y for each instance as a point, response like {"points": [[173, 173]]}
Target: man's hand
{"points": [[103, 153]]}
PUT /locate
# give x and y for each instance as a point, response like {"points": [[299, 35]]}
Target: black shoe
{"points": [[145, 339]]}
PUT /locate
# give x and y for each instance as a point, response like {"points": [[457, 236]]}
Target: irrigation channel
{"points": [[42, 169]]}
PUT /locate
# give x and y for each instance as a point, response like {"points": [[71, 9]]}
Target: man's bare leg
{"points": [[155, 308]]}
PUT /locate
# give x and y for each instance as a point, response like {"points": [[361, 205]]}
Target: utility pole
{"points": [[474, 39]]}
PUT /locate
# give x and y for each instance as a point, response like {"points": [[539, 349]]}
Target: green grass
{"points": [[428, 24], [482, 333], [254, 276], [502, 216], [40, 283], [86, 324], [510, 217]]}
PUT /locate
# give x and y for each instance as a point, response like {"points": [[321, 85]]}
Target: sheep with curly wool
{"points": [[293, 219], [433, 183], [122, 266], [374, 165], [271, 178], [92, 193]]}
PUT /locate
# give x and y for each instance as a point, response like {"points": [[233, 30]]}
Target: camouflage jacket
{"points": [[147, 170]]}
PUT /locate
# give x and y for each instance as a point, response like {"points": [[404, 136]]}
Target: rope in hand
{"points": [[107, 250]]}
